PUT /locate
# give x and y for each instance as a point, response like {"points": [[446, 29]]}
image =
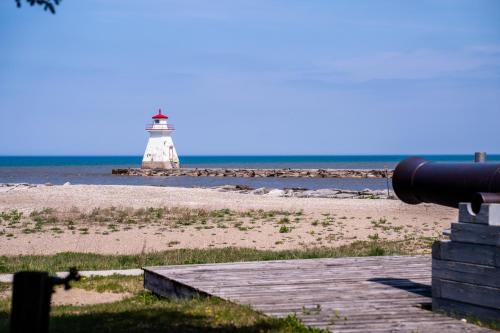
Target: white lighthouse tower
{"points": [[160, 152]]}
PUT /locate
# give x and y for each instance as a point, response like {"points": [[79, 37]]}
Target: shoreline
{"points": [[287, 192], [256, 172]]}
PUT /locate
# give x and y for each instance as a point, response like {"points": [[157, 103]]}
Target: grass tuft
{"points": [[90, 261]]}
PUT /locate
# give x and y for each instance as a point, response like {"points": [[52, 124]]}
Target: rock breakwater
{"points": [[256, 173]]}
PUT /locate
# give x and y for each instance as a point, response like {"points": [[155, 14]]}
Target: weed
{"points": [[172, 243], [284, 220], [334, 317], [13, 216], [284, 229], [376, 251]]}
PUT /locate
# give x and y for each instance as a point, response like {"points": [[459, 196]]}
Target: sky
{"points": [[251, 77]]}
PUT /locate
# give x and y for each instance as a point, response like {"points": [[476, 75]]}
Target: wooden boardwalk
{"points": [[369, 294]]}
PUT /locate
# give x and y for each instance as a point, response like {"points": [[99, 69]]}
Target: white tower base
{"points": [[160, 152]]}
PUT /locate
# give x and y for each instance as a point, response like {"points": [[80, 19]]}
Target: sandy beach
{"points": [[81, 218]]}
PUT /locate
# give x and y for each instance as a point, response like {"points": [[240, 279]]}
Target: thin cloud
{"points": [[419, 64]]}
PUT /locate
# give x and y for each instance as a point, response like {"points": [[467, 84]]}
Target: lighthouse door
{"points": [[171, 153]]}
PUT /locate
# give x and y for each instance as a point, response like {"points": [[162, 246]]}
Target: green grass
{"points": [[13, 216], [114, 284], [89, 261], [4, 286], [148, 313], [145, 312], [284, 229], [494, 325]]}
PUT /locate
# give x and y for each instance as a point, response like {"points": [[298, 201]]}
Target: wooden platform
{"points": [[370, 294]]}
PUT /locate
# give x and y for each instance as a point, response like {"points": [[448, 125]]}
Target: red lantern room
{"points": [[159, 123], [160, 115]]}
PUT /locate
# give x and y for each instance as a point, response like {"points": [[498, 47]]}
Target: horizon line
{"points": [[261, 155]]}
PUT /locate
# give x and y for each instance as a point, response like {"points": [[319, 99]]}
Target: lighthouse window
{"points": [[157, 121]]}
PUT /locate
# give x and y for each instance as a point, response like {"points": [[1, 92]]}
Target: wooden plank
{"points": [[302, 264], [475, 233], [465, 309], [167, 288], [464, 272], [375, 294], [466, 293], [467, 252]]}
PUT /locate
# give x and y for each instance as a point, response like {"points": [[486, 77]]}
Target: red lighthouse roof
{"points": [[160, 115]]}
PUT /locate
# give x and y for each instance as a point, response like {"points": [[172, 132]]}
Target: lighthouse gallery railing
{"points": [[159, 127]]}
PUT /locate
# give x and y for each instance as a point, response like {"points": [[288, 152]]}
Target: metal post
{"points": [[30, 302], [480, 157], [387, 182], [31, 294]]}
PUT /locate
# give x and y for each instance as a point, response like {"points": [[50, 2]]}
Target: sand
{"points": [[351, 219], [77, 296]]}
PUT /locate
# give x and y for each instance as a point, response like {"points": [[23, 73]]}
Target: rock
{"points": [[348, 192], [276, 193], [243, 187], [345, 196], [261, 190], [321, 193], [119, 172], [327, 192], [295, 189], [226, 188], [49, 184], [244, 173]]}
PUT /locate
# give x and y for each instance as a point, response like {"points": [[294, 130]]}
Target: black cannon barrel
{"points": [[416, 180]]}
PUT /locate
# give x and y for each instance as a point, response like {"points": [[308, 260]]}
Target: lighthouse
{"points": [[160, 152]]}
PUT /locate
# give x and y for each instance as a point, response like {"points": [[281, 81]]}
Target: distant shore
{"points": [[256, 173]]}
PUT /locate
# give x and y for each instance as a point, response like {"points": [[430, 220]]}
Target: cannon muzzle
{"points": [[416, 180]]}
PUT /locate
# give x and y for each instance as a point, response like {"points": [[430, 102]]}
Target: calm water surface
{"points": [[97, 170]]}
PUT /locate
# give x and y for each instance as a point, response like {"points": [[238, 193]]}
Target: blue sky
{"points": [[251, 77]]}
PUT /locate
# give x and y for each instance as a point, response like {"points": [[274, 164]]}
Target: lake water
{"points": [[97, 170]]}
